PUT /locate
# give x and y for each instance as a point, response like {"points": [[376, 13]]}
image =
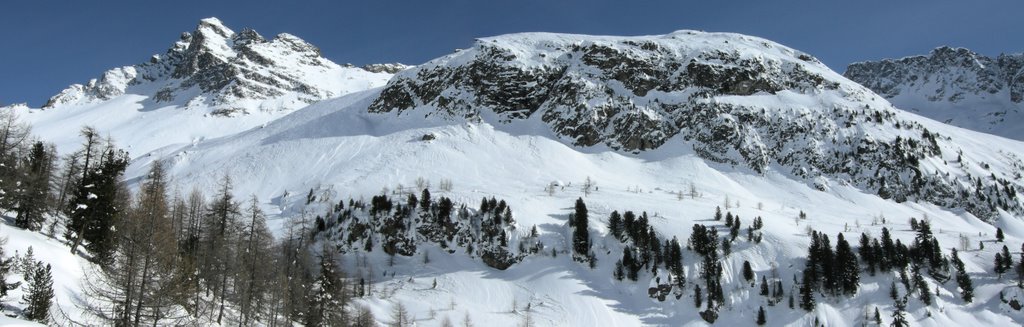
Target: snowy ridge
{"points": [[953, 85], [733, 99], [218, 80]]}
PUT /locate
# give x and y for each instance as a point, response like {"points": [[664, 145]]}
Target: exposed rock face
{"points": [[596, 91], [733, 99], [954, 85], [230, 73], [386, 68]]}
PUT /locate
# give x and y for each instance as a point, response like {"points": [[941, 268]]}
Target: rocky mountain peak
{"points": [[214, 25], [228, 73]]}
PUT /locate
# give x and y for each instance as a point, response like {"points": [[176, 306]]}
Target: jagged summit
{"points": [[228, 73], [209, 73], [954, 85]]}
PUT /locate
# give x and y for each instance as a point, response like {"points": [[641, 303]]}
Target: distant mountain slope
{"points": [[953, 85], [211, 82]]}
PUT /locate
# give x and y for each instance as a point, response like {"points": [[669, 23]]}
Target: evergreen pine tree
{"points": [[893, 292], [898, 318], [615, 226], [328, 301], [698, 298], [999, 234], [676, 260], [1007, 259], [40, 294], [925, 292], [764, 286], [629, 262], [761, 320], [425, 200], [581, 234], [807, 292], [34, 189], [962, 279], [999, 262], [96, 204], [846, 266], [619, 273], [748, 272]]}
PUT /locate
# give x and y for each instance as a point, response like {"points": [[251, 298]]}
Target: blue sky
{"points": [[47, 45]]}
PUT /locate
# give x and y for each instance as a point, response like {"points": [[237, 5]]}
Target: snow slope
{"points": [[67, 270], [340, 151]]}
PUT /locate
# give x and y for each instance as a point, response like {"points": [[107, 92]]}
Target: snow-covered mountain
{"points": [[215, 79], [953, 85], [733, 99], [674, 126]]}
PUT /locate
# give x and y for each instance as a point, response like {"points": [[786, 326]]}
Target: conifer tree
{"points": [[698, 298], [807, 292], [999, 262], [676, 262], [761, 320], [748, 272], [1007, 259], [962, 279], [846, 266], [40, 294], [615, 225], [898, 318], [925, 292], [425, 200], [764, 286], [32, 195], [999, 234], [893, 292], [327, 305], [97, 203], [581, 234]]}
